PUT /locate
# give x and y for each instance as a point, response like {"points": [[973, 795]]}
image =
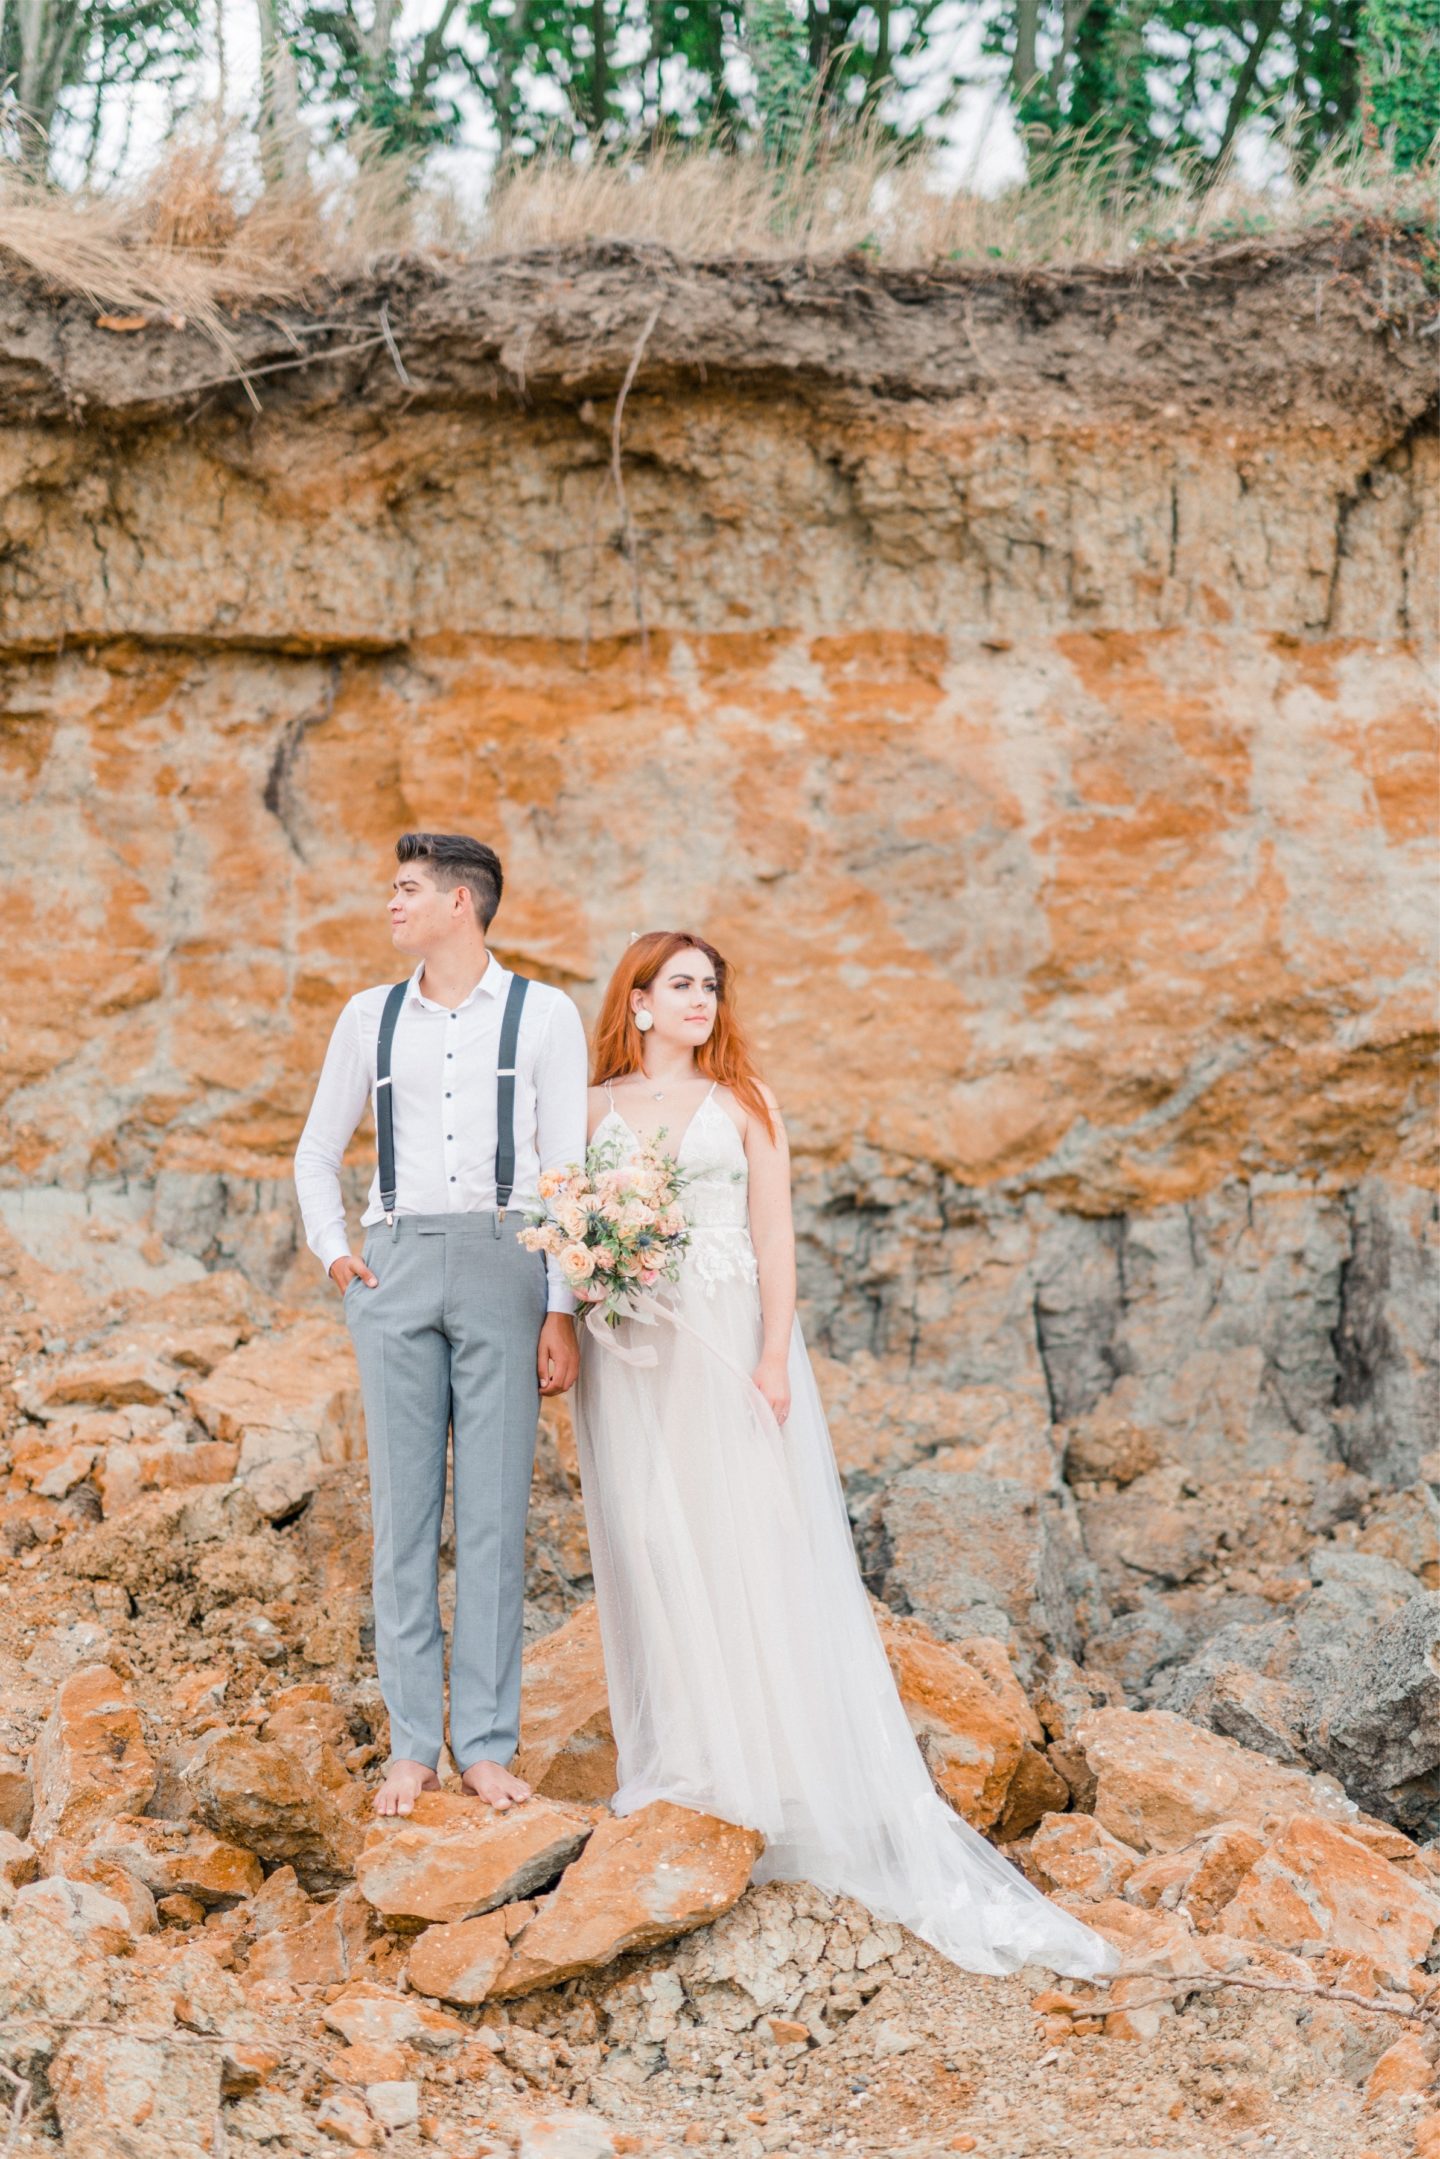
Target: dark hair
{"points": [[453, 859]]}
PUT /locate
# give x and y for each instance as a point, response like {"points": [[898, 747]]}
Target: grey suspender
{"points": [[504, 1097]]}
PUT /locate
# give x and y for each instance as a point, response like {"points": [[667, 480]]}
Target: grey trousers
{"points": [[448, 1342]]}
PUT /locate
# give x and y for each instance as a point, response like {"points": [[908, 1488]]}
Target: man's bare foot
{"points": [[404, 1781], [496, 1786]]}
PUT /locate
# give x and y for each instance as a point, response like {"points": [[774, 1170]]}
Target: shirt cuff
{"points": [[332, 1246], [561, 1298]]}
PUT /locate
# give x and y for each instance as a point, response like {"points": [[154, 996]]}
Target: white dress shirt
{"points": [[444, 1067]]}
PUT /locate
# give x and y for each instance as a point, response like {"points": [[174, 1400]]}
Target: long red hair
{"points": [[724, 1057]]}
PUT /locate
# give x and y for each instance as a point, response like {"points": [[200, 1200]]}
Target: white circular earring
{"points": [[644, 1020]]}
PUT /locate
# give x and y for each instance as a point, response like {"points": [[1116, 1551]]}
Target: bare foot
{"points": [[496, 1786], [404, 1781]]}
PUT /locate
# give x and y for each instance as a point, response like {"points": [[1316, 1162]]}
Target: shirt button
{"points": [[452, 1180], [449, 1135], [448, 1055]]}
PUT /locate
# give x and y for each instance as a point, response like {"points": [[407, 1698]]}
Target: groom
{"points": [[478, 1081]]}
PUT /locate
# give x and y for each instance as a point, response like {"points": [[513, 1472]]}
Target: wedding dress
{"points": [[746, 1674]]}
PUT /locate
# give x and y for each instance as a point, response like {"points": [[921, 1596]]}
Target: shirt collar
{"points": [[493, 983]]}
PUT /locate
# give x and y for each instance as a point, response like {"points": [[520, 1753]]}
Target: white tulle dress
{"points": [[746, 1674]]}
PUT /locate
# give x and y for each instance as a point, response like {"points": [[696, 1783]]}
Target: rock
{"points": [[655, 1875], [1403, 2070], [83, 1910], [19, 1861], [376, 2016], [1379, 1729], [1315, 1888], [1404, 1528], [1385, 1340], [1162, 1782], [140, 1908], [291, 1397], [972, 1740], [453, 1858], [17, 1796], [281, 1802], [179, 1859], [461, 1962], [304, 1944], [395, 2105], [1073, 1852], [977, 1555], [162, 1538], [348, 2120], [567, 1747], [106, 1379], [561, 2133], [119, 2097], [91, 1761]]}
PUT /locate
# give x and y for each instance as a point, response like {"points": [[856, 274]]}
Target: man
{"points": [[456, 1327]]}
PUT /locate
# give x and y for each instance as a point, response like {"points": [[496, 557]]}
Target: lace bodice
{"points": [[716, 1197]]}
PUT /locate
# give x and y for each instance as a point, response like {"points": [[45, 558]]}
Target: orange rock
{"points": [[1427, 2137], [178, 1858], [345, 2117], [320, 1945], [567, 1747], [19, 1861], [368, 2062], [246, 2064], [87, 1913], [1036, 1789], [115, 2093], [285, 1397], [1225, 1859], [454, 1858], [105, 1379], [90, 1761], [1403, 2069], [462, 1961], [971, 1738], [1073, 1852], [1316, 1888], [659, 1873], [126, 1471], [364, 2013], [280, 1801], [1163, 1782], [17, 1796]]}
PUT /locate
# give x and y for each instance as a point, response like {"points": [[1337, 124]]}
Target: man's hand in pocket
{"points": [[349, 1269]]}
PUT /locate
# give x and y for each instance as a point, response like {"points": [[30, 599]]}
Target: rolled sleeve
{"points": [[340, 1101]]}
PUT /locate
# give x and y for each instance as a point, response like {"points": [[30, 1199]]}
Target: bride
{"points": [[746, 1675]]}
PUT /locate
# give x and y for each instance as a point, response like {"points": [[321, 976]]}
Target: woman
{"points": [[746, 1675]]}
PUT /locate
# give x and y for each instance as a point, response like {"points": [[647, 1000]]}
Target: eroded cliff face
{"points": [[1025, 678]]}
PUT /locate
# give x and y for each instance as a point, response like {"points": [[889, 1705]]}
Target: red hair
{"points": [[724, 1057]]}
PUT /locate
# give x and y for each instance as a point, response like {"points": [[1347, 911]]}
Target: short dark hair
{"points": [[454, 859]]}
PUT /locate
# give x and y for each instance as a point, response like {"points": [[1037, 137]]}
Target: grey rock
{"points": [[1387, 1339], [1379, 1730], [1139, 1644], [970, 1554]]}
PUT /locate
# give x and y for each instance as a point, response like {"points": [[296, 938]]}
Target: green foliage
{"points": [[59, 60], [1400, 65]]}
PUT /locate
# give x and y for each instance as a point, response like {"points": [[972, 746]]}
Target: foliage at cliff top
{"points": [[193, 235]]}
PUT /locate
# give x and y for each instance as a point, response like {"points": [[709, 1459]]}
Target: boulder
{"points": [[972, 1738], [659, 1873], [281, 1802], [90, 1761], [17, 1796], [453, 1857], [372, 2015], [567, 1746], [1200, 1880], [291, 1397], [1072, 1852], [119, 2097], [162, 1538], [1379, 1727], [979, 1555], [302, 1943], [461, 1962], [107, 1378], [1161, 1782], [1404, 1527], [178, 1859], [84, 1911], [1315, 1888]]}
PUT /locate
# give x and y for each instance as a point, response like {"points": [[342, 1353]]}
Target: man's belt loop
{"points": [[505, 1098], [384, 1099]]}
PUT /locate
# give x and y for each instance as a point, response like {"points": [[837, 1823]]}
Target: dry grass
{"points": [[195, 238]]}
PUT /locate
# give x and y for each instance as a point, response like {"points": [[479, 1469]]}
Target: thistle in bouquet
{"points": [[616, 1226]]}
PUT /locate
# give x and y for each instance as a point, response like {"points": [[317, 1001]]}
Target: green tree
{"points": [[1400, 68], [61, 59]]}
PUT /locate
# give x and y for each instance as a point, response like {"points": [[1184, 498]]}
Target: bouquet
{"points": [[616, 1226]]}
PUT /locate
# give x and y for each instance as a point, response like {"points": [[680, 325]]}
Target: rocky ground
{"points": [[208, 1946]]}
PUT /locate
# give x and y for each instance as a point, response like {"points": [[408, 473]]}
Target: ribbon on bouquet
{"points": [[648, 1310]]}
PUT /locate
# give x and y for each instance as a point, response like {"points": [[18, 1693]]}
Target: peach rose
{"points": [[578, 1262]]}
